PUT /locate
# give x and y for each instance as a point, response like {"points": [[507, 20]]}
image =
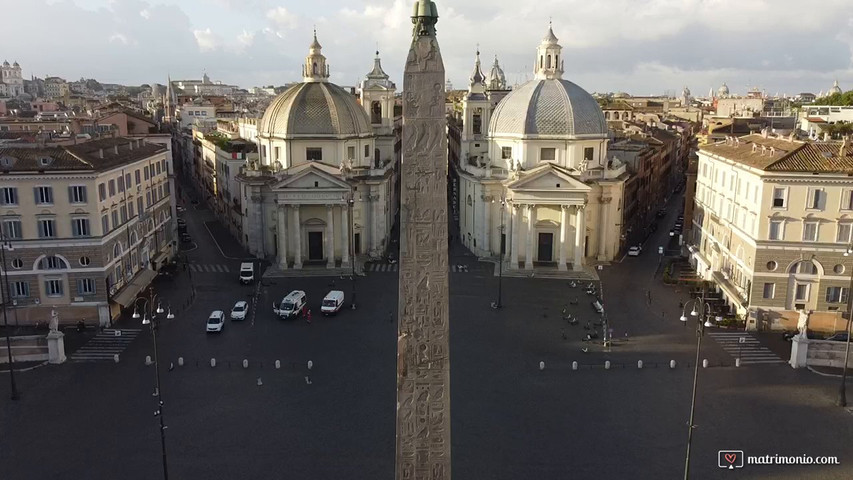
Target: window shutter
{"points": [[70, 194], [36, 195]]}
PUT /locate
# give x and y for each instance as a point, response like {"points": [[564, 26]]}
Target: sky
{"points": [[641, 47]]}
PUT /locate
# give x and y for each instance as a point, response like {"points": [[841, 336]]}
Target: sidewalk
{"points": [[227, 244]]}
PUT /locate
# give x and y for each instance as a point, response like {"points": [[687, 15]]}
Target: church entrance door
{"points": [[315, 245], [546, 246]]}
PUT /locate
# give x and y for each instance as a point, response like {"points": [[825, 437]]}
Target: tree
{"points": [[842, 99]]}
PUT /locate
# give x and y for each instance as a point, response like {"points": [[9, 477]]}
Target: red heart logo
{"points": [[731, 457]]}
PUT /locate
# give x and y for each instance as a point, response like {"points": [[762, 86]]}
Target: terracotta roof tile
{"points": [[780, 155], [82, 156]]}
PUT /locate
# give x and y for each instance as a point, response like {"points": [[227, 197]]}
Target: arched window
{"points": [[375, 112], [607, 115], [548, 63], [541, 61], [804, 267], [52, 262], [557, 61], [133, 238], [469, 200], [314, 71], [117, 250]]}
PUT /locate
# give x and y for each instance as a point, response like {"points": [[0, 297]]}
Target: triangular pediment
{"points": [[548, 178], [312, 176]]}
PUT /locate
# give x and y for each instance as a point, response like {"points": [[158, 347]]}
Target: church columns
{"points": [[603, 227], [297, 254], [282, 237], [487, 225], [508, 208], [580, 235], [564, 227], [330, 236], [528, 259], [345, 233], [513, 258]]}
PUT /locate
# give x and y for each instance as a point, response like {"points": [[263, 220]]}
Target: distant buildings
{"points": [[55, 88], [11, 81], [773, 217], [89, 225], [202, 87]]}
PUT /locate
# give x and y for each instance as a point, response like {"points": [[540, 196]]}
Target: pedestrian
{"points": [[626, 335], [304, 311], [649, 295], [308, 318]]}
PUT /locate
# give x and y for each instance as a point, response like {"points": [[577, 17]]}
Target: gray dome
{"points": [[549, 108], [315, 108]]}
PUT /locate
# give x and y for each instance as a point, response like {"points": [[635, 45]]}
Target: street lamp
{"points": [[842, 389], [701, 311], [504, 202], [149, 317], [7, 245], [350, 199]]}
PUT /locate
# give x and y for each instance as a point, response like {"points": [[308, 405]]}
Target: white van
{"points": [[332, 302], [247, 273], [290, 305]]}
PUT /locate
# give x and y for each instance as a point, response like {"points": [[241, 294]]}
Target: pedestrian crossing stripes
{"points": [[103, 346], [387, 267], [209, 268], [746, 347]]}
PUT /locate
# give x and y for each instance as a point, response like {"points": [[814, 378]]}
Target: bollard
{"points": [[639, 364], [310, 364], [115, 358], [705, 363], [277, 364], [672, 364], [737, 362], [148, 360], [245, 363], [180, 361], [212, 362], [607, 365], [574, 365], [260, 382], [541, 366]]}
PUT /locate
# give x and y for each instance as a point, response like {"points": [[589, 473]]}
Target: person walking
{"points": [[308, 317]]}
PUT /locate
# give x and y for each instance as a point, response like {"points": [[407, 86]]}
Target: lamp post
{"points": [[703, 313], [350, 199], [504, 202], [7, 245], [149, 317], [842, 389]]}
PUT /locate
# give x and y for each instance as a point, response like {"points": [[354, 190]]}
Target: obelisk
{"points": [[423, 361]]}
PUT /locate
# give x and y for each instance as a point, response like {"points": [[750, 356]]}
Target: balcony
{"points": [[732, 290]]}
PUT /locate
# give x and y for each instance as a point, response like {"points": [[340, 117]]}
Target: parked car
{"points": [[291, 305], [247, 273], [240, 310], [661, 213], [216, 321], [186, 238], [838, 337], [180, 209], [182, 222], [332, 302], [634, 251]]}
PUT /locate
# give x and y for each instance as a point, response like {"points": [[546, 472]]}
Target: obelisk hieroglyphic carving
{"points": [[423, 361]]}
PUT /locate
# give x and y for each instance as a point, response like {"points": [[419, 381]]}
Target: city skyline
{"points": [[700, 44]]}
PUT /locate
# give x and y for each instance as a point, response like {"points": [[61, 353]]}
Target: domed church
{"points": [[537, 184], [324, 187]]}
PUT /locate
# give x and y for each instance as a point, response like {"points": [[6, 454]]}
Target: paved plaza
{"points": [[509, 419]]}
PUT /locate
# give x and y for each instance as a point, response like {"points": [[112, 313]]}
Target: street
{"points": [[510, 419]]}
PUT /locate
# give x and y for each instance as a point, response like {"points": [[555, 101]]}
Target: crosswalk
{"points": [[387, 267], [746, 347], [103, 346], [209, 268]]}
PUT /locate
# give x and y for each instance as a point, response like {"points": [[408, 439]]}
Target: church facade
{"points": [[533, 181], [324, 188]]}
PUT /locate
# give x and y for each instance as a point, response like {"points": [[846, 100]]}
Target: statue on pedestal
{"points": [[54, 321], [803, 324]]}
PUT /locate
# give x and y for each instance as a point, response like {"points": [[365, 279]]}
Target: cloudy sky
{"points": [[638, 46]]}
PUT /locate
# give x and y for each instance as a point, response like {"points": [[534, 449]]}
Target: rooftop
{"points": [[785, 155], [96, 155]]}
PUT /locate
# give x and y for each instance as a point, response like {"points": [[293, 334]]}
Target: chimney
{"points": [[825, 136], [130, 145], [115, 149], [754, 148], [842, 151], [763, 149], [100, 153], [772, 151], [737, 142], [764, 132], [791, 137]]}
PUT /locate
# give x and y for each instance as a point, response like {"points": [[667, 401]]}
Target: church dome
{"points": [[549, 108], [723, 90], [835, 88], [315, 109]]}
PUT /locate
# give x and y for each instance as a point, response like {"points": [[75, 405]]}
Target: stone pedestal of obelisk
{"points": [[423, 361]]}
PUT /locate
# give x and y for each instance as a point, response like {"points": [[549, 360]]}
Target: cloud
{"points": [[207, 40], [119, 38], [245, 39], [282, 18], [145, 14]]}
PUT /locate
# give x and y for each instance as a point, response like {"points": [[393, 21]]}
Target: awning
{"points": [[127, 295]]}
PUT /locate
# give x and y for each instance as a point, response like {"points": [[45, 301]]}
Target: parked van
{"points": [[332, 302], [247, 273], [290, 305]]}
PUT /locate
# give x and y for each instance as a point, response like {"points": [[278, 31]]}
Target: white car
{"points": [[216, 321], [239, 311], [634, 251]]}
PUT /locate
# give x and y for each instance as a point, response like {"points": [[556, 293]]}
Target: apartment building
{"points": [[773, 218], [86, 226]]}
